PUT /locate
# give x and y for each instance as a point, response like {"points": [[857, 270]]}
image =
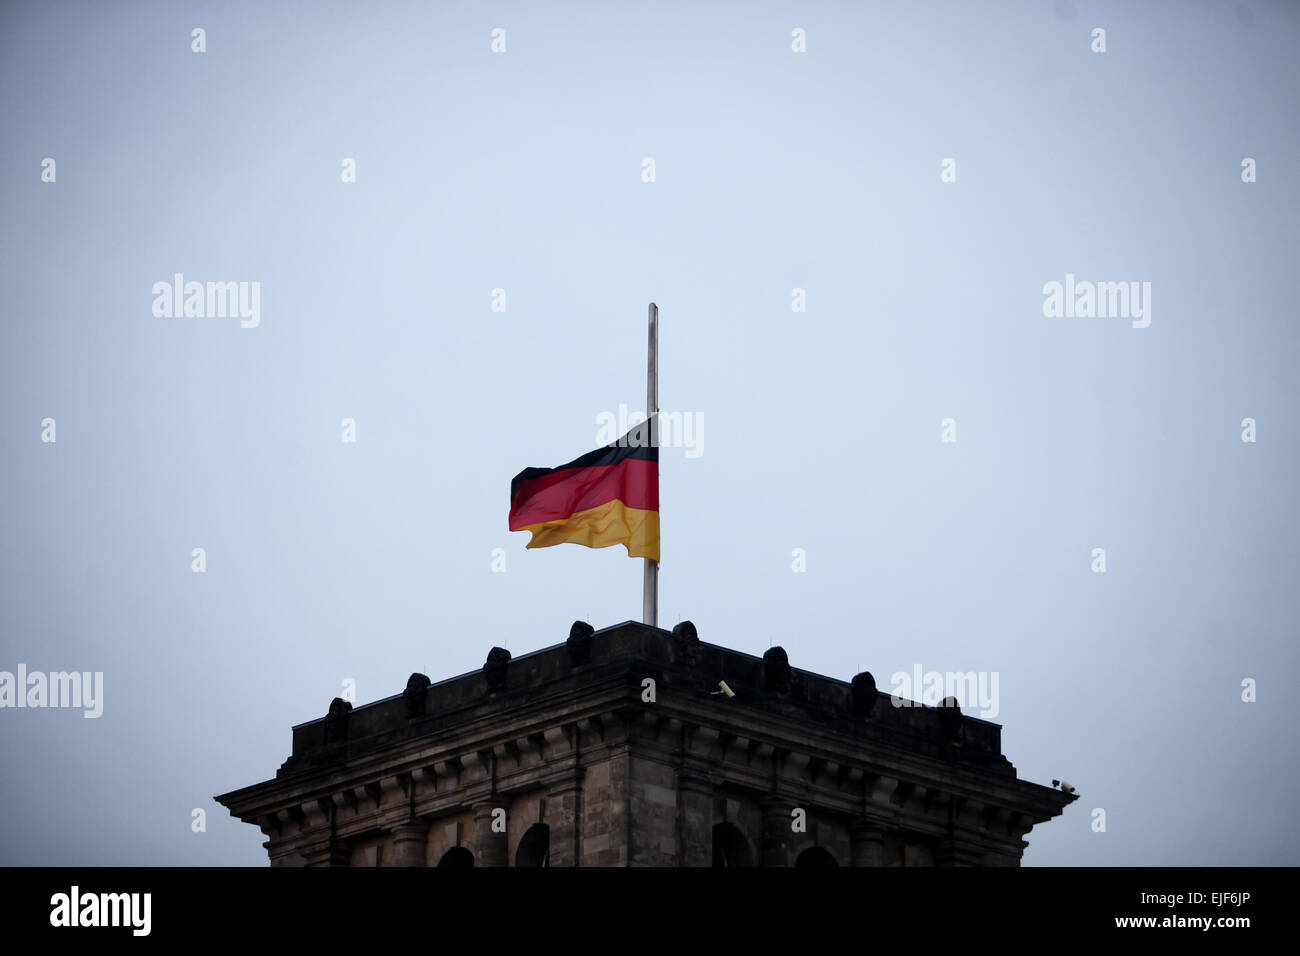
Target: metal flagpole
{"points": [[650, 592]]}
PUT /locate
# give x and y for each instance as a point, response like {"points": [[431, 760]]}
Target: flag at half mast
{"points": [[606, 497]]}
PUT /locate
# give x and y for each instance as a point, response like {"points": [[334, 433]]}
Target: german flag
{"points": [[608, 496]]}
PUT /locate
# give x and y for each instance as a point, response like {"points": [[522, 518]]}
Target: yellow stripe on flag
{"points": [[602, 527]]}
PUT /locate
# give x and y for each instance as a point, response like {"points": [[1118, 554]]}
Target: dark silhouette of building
{"points": [[634, 746]]}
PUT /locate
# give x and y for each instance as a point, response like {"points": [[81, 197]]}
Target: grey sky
{"points": [[329, 561]]}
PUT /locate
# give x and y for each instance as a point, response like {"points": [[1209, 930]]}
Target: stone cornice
{"points": [[439, 748]]}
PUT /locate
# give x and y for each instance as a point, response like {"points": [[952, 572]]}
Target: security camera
{"points": [[1065, 787], [724, 689]]}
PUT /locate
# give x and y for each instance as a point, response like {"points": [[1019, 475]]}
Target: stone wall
{"points": [[567, 750]]}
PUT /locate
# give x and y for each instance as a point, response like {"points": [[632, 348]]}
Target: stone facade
{"points": [[620, 748]]}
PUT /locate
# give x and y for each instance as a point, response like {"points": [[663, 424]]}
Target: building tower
{"points": [[634, 746]]}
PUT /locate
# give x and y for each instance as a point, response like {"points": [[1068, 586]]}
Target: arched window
{"points": [[534, 846], [815, 856], [730, 848], [457, 857]]}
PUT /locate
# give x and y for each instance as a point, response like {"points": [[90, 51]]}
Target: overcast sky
{"points": [[821, 430]]}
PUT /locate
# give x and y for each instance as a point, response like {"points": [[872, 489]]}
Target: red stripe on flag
{"points": [[634, 481]]}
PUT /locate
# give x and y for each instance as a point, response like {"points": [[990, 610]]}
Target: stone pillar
{"points": [[695, 792], [410, 844], [867, 839], [325, 852], [490, 848], [563, 804], [777, 836], [956, 852]]}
